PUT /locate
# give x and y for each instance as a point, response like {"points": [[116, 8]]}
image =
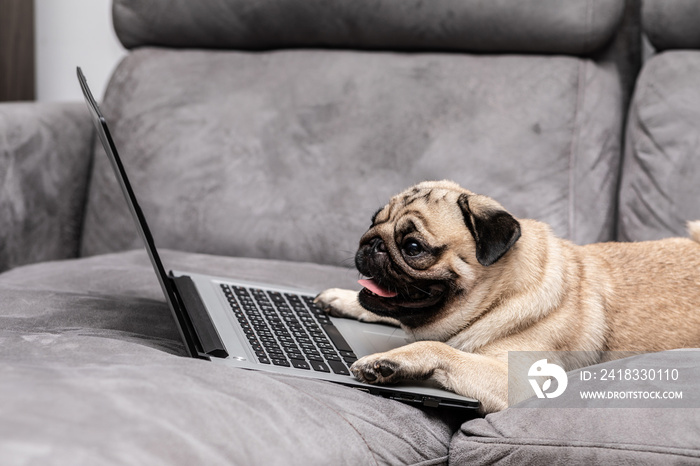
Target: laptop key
{"points": [[300, 364], [319, 366], [336, 337], [280, 362], [314, 357], [339, 368]]}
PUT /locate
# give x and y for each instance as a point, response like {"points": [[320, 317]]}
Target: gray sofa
{"points": [[260, 137]]}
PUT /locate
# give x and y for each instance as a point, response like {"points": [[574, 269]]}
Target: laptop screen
{"points": [[145, 233]]}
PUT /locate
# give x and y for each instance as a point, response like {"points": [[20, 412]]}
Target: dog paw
{"points": [[376, 369], [339, 303]]}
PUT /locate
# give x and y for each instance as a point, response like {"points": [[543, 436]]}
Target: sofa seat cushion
{"points": [[287, 154], [659, 189], [92, 373], [596, 431]]}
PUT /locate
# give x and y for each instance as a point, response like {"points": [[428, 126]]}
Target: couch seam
{"points": [[612, 446], [431, 462]]}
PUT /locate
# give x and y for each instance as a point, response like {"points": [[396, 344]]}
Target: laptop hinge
{"points": [[204, 329]]}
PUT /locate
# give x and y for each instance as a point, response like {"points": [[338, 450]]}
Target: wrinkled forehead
{"points": [[415, 202]]}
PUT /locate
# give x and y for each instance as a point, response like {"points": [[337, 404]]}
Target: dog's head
{"points": [[428, 247]]}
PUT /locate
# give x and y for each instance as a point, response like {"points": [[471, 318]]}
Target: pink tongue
{"points": [[376, 289]]}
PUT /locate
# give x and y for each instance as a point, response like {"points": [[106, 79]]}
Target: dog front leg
{"points": [[467, 374]]}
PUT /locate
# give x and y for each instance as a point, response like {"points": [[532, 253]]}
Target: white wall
{"points": [[71, 33]]}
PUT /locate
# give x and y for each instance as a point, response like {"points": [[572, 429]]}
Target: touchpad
{"points": [[367, 338]]}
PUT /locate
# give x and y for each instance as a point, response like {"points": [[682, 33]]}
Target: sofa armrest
{"points": [[45, 152]]}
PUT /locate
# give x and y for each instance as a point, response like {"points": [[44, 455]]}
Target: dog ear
{"points": [[494, 230]]}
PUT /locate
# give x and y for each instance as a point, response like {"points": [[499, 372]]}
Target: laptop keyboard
{"points": [[286, 329]]}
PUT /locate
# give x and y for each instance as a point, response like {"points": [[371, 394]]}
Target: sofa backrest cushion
{"points": [[546, 26], [672, 24], [287, 154], [660, 191]]}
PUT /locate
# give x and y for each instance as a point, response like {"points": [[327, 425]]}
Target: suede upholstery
{"points": [[45, 153], [260, 137], [672, 24], [533, 433], [660, 188], [314, 120], [91, 341], [543, 26]]}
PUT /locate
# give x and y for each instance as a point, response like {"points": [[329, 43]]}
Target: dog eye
{"points": [[412, 248]]}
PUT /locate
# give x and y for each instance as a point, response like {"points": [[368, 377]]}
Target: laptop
{"points": [[266, 327]]}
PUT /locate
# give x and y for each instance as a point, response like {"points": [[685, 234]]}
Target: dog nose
{"points": [[378, 246]]}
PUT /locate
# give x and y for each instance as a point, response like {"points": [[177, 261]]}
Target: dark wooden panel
{"points": [[17, 73]]}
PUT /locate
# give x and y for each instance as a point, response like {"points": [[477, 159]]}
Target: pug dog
{"points": [[469, 282]]}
